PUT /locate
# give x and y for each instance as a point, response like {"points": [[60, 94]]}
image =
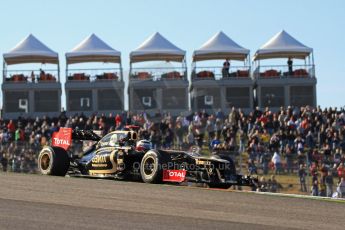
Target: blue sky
{"points": [[125, 24]]}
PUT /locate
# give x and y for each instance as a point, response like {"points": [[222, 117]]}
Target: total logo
{"points": [[174, 175], [179, 173], [58, 141]]}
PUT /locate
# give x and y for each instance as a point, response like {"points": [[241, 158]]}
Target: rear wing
{"points": [[63, 138]]}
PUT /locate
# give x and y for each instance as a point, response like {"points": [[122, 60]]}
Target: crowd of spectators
{"points": [[300, 141]]}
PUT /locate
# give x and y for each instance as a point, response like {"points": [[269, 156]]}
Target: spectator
{"points": [[215, 143], [301, 158], [19, 135], [199, 137], [190, 139], [4, 161], [265, 137], [210, 127], [11, 128], [226, 68], [314, 171], [289, 62], [179, 131], [337, 157], [322, 189], [265, 160], [341, 188], [118, 120], [277, 162], [329, 184], [252, 169], [168, 137], [42, 74], [273, 187], [220, 115], [32, 77], [315, 188], [341, 171], [302, 174], [310, 140], [289, 159], [155, 139]]}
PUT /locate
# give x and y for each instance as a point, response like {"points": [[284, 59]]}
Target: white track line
{"points": [[294, 196]]}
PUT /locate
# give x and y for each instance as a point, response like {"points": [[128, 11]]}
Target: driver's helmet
{"points": [[194, 149], [143, 145]]}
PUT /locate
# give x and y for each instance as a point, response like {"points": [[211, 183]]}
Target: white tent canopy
{"points": [[220, 46], [31, 50], [93, 49], [283, 45], [157, 48]]}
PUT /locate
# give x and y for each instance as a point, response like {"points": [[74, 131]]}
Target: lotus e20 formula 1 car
{"points": [[120, 155]]}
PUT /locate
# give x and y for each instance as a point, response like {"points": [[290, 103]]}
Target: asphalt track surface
{"points": [[44, 202]]}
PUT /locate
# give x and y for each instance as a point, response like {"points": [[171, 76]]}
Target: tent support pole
{"points": [[121, 73], [66, 69], [184, 66], [130, 71], [313, 64], [58, 71], [4, 72], [248, 59], [312, 57]]}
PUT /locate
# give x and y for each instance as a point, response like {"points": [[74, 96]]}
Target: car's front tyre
{"points": [[151, 167]]}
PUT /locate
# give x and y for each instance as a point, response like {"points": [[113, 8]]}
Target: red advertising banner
{"points": [[174, 175], [63, 138]]}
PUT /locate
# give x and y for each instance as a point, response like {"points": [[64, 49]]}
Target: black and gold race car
{"points": [[121, 155]]}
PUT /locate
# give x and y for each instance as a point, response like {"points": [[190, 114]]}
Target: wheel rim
{"points": [[45, 161], [149, 166]]}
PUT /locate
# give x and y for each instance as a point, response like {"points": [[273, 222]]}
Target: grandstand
{"points": [[211, 87], [94, 89], [34, 92], [157, 88], [277, 85]]}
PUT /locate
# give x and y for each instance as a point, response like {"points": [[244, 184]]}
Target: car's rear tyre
{"points": [[53, 161], [151, 167]]}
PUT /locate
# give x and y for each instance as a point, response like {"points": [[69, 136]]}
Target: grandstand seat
{"points": [[300, 73], [80, 77], [171, 75], [110, 76], [18, 78], [271, 73], [242, 73], [205, 74], [144, 75]]}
